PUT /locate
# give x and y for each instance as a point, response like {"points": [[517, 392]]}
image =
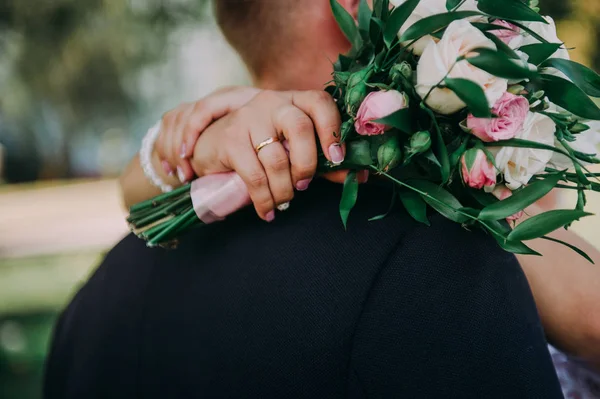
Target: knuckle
{"points": [[257, 179], [195, 124], [285, 196], [198, 106], [305, 170], [265, 203], [278, 163], [321, 97], [301, 123], [269, 95]]}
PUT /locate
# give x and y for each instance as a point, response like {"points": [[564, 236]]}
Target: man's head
{"points": [[286, 44]]}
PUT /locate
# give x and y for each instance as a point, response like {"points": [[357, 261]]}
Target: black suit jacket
{"points": [[301, 308]]}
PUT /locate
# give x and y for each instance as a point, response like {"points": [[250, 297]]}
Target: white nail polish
{"points": [[180, 175]]}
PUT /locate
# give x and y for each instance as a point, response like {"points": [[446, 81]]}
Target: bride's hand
{"points": [[182, 126], [230, 144]]}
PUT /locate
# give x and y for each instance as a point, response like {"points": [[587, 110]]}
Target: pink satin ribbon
{"points": [[216, 196]]}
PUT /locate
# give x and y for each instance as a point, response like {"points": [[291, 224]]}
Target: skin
{"points": [[566, 288]]}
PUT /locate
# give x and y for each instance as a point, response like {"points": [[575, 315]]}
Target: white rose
{"points": [[587, 142], [424, 9], [519, 165], [548, 32], [459, 39]]}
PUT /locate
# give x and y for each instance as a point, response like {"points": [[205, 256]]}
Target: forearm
{"points": [[566, 288], [136, 187]]}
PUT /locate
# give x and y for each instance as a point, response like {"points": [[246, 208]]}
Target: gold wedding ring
{"points": [[265, 143]]}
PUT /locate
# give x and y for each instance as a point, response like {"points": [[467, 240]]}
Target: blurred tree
{"points": [[75, 55]]}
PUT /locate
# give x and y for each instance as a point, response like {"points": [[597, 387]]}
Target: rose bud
{"points": [[341, 78], [361, 76], [377, 105], [346, 129], [355, 97], [477, 171], [502, 192], [401, 70], [420, 142], [389, 154]]}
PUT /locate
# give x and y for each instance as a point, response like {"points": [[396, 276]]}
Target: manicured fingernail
{"points": [[183, 152], [302, 185], [167, 168], [270, 216], [180, 175], [336, 154], [362, 176]]}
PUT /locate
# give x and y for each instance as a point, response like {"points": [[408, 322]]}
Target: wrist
{"points": [[150, 161]]}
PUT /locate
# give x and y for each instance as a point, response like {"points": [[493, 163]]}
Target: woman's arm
{"points": [[566, 288], [180, 129], [136, 187]]}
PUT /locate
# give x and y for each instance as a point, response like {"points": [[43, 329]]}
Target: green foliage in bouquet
{"points": [[426, 153], [381, 59]]}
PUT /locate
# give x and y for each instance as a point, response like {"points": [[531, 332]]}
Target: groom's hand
{"points": [[270, 174]]}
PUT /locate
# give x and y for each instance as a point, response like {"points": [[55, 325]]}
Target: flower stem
{"points": [[159, 199]]}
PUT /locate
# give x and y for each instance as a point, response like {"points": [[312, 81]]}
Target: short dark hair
{"points": [[255, 28]]}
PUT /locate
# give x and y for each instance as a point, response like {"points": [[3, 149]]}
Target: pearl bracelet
{"points": [[146, 158]]}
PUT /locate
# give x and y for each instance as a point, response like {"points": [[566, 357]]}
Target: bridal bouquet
{"points": [[471, 108]]}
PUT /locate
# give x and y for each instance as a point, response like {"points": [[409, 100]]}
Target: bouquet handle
{"points": [[216, 196]]}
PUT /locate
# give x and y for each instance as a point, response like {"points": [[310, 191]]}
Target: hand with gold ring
{"points": [[250, 141]]}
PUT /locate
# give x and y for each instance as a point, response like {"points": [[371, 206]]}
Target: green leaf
{"points": [[539, 52], [390, 208], [452, 4], [587, 80], [346, 23], [381, 9], [545, 223], [486, 27], [397, 19], [429, 25], [349, 196], [509, 9], [358, 153], [414, 205], [402, 119], [515, 247], [573, 247], [499, 64], [520, 199], [364, 17], [376, 27], [441, 152], [567, 95], [520, 143], [500, 231], [440, 199], [503, 47], [529, 31], [483, 198], [471, 94]]}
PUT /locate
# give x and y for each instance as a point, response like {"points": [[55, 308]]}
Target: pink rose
{"points": [[504, 34], [477, 170], [502, 193], [511, 111], [377, 105]]}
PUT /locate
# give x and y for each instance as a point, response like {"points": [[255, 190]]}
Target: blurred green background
{"points": [[80, 82]]}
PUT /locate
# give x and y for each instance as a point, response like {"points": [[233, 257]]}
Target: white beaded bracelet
{"points": [[146, 158]]}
